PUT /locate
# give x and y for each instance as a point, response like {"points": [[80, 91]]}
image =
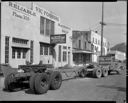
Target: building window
{"points": [[42, 23], [85, 45], [13, 53], [31, 52], [64, 47], [41, 49], [79, 44], [24, 54], [6, 49], [93, 40], [18, 54], [46, 26], [64, 56], [50, 50], [59, 57], [21, 41], [45, 50]]}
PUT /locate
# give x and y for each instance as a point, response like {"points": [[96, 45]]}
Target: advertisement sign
{"points": [[60, 38]]}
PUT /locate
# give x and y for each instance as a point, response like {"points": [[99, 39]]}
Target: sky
{"points": [[87, 15]]}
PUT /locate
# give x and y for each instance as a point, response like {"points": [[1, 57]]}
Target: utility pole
{"points": [[102, 24]]}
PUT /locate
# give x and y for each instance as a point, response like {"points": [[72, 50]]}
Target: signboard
{"points": [[60, 38]]}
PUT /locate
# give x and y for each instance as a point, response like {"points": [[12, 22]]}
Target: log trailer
{"points": [[42, 77]]}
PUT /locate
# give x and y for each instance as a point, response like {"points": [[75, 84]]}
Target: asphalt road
{"points": [[111, 88]]}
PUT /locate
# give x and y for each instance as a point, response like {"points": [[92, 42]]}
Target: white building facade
{"points": [[96, 46], [25, 36]]}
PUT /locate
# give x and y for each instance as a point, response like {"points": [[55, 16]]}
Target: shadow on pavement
{"points": [[122, 89]]}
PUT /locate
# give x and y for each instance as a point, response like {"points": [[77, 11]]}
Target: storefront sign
{"points": [[47, 14], [61, 38], [21, 9]]}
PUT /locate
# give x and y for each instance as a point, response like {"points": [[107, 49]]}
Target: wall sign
{"points": [[47, 13], [21, 16], [21, 9], [60, 38]]}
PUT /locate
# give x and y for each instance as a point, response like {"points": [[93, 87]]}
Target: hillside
{"points": [[120, 47]]}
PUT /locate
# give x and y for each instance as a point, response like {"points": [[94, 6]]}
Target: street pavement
{"points": [[111, 88]]}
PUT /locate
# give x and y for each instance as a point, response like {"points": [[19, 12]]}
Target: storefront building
{"points": [[96, 46], [25, 36], [82, 53]]}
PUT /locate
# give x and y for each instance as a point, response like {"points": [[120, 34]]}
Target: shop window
{"points": [[13, 53], [46, 50], [50, 50], [24, 54], [64, 56], [41, 49], [42, 23], [59, 57], [6, 49], [18, 54]]}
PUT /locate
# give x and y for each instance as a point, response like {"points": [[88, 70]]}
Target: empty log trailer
{"points": [[40, 78], [104, 67]]}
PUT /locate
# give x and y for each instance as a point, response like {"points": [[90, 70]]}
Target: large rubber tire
{"points": [[82, 73], [32, 82], [118, 72], [55, 80], [9, 82], [41, 83], [104, 72], [97, 73]]}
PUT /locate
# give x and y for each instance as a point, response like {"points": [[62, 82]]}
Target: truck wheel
{"points": [[97, 73], [55, 80], [118, 71], [83, 73], [41, 83], [105, 72], [32, 81], [9, 82]]}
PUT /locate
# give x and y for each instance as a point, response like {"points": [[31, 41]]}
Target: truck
{"points": [[104, 67], [42, 77]]}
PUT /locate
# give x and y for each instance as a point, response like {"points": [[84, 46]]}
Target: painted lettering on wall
{"points": [[21, 16], [21, 9], [47, 14]]}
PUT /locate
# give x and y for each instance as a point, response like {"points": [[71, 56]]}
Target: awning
{"points": [[81, 51]]}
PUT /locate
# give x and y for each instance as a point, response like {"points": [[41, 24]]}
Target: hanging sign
{"points": [[60, 38]]}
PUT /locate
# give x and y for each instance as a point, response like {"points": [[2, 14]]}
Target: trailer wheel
{"points": [[32, 81], [118, 72], [41, 83], [105, 72], [55, 80], [82, 73], [97, 72], [9, 82]]}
